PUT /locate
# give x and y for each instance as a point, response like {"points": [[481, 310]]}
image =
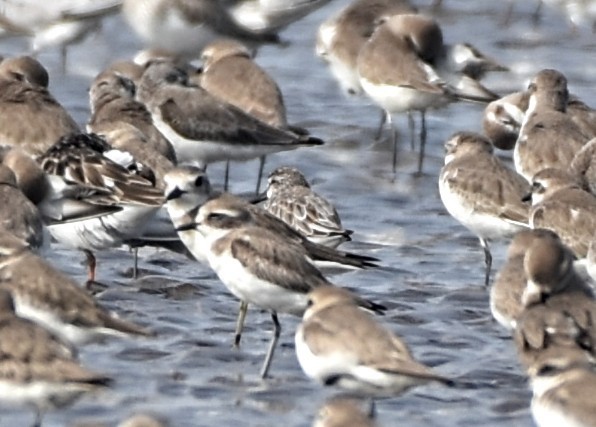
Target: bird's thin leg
{"points": [[379, 133], [537, 13], [227, 175], [261, 168], [393, 141], [422, 140], [488, 260], [240, 323], [91, 264], [272, 345], [508, 14], [135, 263], [412, 127], [38, 417]]}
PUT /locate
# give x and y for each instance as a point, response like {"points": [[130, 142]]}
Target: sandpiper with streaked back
{"points": [[36, 368], [290, 198], [115, 202], [359, 355], [203, 129], [480, 192]]}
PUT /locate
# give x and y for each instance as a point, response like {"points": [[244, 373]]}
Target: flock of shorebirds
{"points": [[138, 176]]}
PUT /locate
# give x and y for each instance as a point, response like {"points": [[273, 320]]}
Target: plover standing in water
{"points": [[257, 264], [480, 192], [340, 38], [358, 355], [230, 74], [396, 71], [203, 129]]}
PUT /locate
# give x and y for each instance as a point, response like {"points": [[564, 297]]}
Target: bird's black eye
{"points": [[199, 181], [216, 216], [309, 303], [546, 370]]}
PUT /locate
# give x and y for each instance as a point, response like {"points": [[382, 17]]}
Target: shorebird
{"points": [[256, 263], [548, 265], [341, 37], [558, 303], [30, 117], [187, 188], [396, 71], [18, 214], [290, 198], [265, 16], [563, 388], [480, 192], [359, 355], [561, 205], [51, 298], [112, 102], [203, 129], [509, 284], [230, 74], [185, 27], [112, 200], [36, 368], [342, 411], [503, 119], [583, 166], [261, 218], [56, 23], [548, 138]]}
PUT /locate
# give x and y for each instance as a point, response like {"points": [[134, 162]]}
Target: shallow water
{"points": [[432, 271]]}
